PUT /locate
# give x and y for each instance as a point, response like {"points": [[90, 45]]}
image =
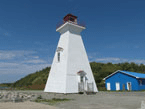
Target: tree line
{"points": [[100, 71]]}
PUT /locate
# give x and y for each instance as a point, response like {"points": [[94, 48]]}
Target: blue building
{"points": [[125, 80]]}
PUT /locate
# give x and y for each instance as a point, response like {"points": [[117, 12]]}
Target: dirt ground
{"points": [[105, 100], [101, 100], [25, 105]]}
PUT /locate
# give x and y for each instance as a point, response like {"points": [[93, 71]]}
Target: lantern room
{"points": [[70, 18]]}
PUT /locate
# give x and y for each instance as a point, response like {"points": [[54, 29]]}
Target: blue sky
{"points": [[115, 32]]}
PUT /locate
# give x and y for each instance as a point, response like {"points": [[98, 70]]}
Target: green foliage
{"points": [[100, 71], [6, 84], [39, 97], [39, 77]]}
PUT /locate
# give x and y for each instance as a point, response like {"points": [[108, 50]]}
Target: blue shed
{"points": [[125, 80]]}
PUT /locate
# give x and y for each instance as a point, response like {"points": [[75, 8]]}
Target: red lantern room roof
{"points": [[70, 17]]}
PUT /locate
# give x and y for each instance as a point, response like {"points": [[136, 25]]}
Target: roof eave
{"points": [[111, 75], [139, 78], [121, 72], [130, 74]]}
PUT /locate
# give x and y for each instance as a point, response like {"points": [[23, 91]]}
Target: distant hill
{"points": [[35, 80], [38, 79]]}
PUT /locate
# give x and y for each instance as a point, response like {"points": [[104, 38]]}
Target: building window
{"points": [[81, 78], [140, 82], [58, 56], [59, 49]]}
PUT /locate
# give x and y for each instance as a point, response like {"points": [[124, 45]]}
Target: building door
{"points": [[81, 87], [108, 86], [81, 84], [128, 85], [123, 87], [117, 86], [82, 81]]}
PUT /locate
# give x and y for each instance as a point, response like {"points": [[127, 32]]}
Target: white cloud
{"points": [[16, 73], [8, 65], [20, 61], [36, 61], [15, 68], [108, 59], [6, 55], [119, 60], [36, 57], [138, 61], [92, 56], [11, 54]]}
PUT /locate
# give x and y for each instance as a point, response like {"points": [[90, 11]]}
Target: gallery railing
{"points": [[90, 87], [63, 22], [81, 87]]}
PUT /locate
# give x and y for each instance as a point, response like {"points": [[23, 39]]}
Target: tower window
{"points": [[58, 56], [59, 50]]}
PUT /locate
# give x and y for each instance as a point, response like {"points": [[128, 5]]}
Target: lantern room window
{"points": [[72, 19]]}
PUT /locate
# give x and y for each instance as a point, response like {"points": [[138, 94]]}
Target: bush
{"points": [[39, 97]]}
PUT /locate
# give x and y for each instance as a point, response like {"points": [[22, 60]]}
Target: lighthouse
{"points": [[70, 71]]}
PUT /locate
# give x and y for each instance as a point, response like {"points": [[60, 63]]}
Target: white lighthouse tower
{"points": [[70, 71]]}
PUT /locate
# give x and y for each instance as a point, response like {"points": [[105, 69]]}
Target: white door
{"points": [[128, 85], [108, 86], [117, 86]]}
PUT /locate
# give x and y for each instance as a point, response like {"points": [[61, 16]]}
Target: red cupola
{"points": [[70, 17]]}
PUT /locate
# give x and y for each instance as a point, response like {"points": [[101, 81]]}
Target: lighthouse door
{"points": [[81, 78], [81, 84]]}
